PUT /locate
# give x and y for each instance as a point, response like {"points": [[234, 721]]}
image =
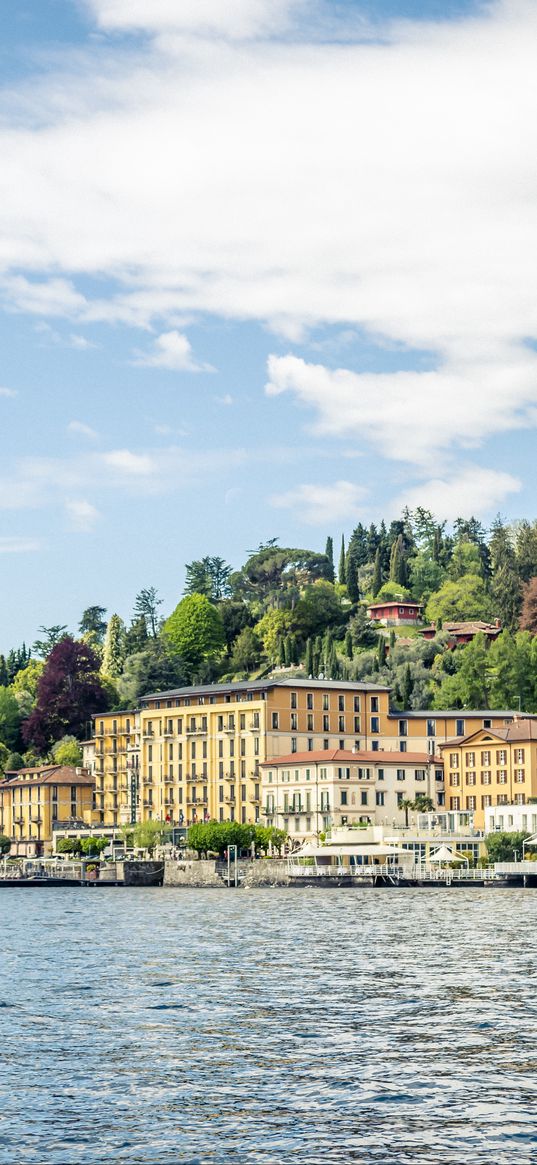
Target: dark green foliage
{"points": [[93, 623], [505, 847], [329, 554], [209, 576], [5, 844], [146, 605], [349, 649], [4, 677], [377, 574], [342, 571], [51, 637]]}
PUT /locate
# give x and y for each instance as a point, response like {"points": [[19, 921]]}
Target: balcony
{"points": [[230, 777], [201, 801], [254, 800]]}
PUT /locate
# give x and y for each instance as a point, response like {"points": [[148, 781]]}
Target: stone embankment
{"points": [[211, 874]]}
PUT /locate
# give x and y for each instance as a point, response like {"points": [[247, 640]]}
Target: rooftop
{"points": [[48, 775], [462, 714], [346, 756], [520, 730], [262, 686], [395, 603]]}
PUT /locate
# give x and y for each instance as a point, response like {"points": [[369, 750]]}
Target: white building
{"points": [[308, 793], [511, 818]]}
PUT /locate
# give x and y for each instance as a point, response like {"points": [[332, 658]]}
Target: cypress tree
{"points": [[353, 590], [310, 670], [377, 574], [281, 651], [342, 571], [393, 639], [4, 678], [348, 645], [329, 552], [381, 652], [114, 648]]}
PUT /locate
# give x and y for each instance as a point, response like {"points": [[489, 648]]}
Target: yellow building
{"points": [[198, 749], [34, 801], [425, 731], [492, 767], [116, 767]]}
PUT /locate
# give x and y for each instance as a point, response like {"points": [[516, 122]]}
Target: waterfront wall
{"points": [[192, 873], [271, 872]]}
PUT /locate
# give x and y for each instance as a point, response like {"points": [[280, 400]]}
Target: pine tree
{"points": [[349, 651], [329, 552], [114, 647], [342, 571], [4, 678], [377, 575], [506, 588]]}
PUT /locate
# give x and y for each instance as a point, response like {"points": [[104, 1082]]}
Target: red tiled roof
{"points": [[48, 775], [344, 756], [395, 603], [519, 730], [470, 628]]}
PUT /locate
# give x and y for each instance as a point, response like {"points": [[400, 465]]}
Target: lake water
{"points": [[151, 1027]]}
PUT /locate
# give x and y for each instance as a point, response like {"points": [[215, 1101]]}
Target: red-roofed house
{"points": [[395, 612]]}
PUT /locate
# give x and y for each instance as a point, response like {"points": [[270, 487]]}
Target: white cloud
{"points": [[389, 186], [172, 351], [235, 18], [82, 515], [226, 400], [412, 416], [468, 491], [80, 342], [321, 504], [17, 545], [82, 429], [7, 392], [131, 464]]}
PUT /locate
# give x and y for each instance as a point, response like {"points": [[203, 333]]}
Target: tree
{"points": [[349, 650], [5, 844], [528, 616], [406, 804], [146, 605], [114, 648], [398, 570], [208, 576], [465, 559], [68, 694], [329, 554], [309, 662], [351, 570], [390, 591], [377, 574], [52, 636], [13, 762], [506, 588], [423, 804], [461, 600], [69, 845], [319, 608], [92, 847], [157, 668], [273, 628], [526, 550], [10, 718], [195, 630], [505, 847], [469, 686], [136, 637], [426, 575], [342, 570], [27, 679], [407, 686], [67, 751], [246, 651], [148, 834], [93, 623], [4, 677]]}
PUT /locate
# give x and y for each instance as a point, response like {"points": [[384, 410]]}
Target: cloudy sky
{"points": [[267, 268]]}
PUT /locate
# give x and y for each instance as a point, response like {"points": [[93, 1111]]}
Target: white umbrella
{"points": [[444, 854]]}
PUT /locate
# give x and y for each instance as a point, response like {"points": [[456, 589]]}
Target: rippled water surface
{"points": [[151, 1027]]}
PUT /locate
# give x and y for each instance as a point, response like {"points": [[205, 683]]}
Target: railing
{"points": [[446, 874]]}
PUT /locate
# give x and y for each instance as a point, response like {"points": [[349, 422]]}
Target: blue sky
{"points": [[266, 269]]}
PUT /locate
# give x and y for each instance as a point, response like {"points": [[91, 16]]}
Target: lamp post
{"points": [[235, 858]]}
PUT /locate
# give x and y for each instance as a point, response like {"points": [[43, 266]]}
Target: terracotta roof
{"points": [[395, 603], [470, 628], [235, 687], [48, 775], [344, 756]]}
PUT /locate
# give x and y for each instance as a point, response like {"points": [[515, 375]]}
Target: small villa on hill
{"points": [[461, 633], [395, 612]]}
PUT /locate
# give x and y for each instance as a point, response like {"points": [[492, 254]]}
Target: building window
{"points": [[470, 779], [309, 701], [402, 746], [431, 728], [310, 743], [403, 728], [485, 758], [357, 724], [293, 700], [356, 704], [454, 802], [486, 801], [400, 774], [519, 776], [374, 703], [275, 720], [453, 760], [344, 797], [470, 802], [375, 724], [293, 744], [486, 777], [341, 723], [326, 724], [519, 756], [459, 728], [375, 745], [294, 722], [341, 703], [363, 796], [419, 774], [326, 704], [379, 797]]}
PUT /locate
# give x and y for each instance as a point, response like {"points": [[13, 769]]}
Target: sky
{"points": [[267, 269]]}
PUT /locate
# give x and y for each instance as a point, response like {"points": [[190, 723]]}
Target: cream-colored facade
{"points": [[489, 768], [306, 794], [34, 801]]}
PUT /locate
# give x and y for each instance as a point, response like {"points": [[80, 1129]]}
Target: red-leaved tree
{"points": [[68, 694]]}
